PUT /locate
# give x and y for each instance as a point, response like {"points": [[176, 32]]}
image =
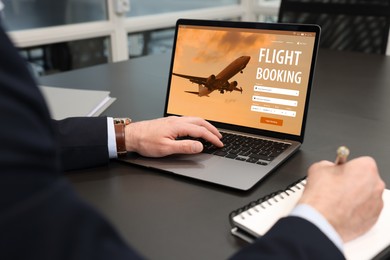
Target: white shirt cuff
{"points": [[310, 214], [111, 140]]}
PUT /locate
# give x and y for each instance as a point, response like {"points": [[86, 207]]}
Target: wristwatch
{"points": [[120, 136]]}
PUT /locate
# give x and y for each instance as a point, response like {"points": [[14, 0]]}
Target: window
{"points": [[29, 14], [147, 7], [60, 35]]}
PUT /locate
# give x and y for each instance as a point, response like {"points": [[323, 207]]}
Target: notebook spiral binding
{"points": [[266, 198]]}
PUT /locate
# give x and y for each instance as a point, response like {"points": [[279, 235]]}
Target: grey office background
{"points": [[56, 36]]}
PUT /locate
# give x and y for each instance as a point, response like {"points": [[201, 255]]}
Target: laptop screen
{"points": [[249, 75]]}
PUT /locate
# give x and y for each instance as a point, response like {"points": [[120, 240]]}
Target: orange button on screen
{"points": [[271, 121]]}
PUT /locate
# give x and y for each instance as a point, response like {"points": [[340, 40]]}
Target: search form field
{"points": [[282, 91], [278, 101], [274, 111]]}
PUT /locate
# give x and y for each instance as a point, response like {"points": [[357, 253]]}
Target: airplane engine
{"points": [[210, 79], [232, 85]]}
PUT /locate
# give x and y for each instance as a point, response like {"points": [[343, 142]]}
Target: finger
{"points": [[201, 122], [185, 147], [325, 163], [315, 167], [200, 132]]}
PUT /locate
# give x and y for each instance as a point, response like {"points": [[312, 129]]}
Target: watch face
{"points": [[124, 121]]}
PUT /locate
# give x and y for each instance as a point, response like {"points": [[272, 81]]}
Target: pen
{"points": [[342, 155]]}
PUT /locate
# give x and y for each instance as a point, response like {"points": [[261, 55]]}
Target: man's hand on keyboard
{"points": [[157, 138]]}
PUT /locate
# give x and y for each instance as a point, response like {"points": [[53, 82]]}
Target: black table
{"points": [[171, 217]]}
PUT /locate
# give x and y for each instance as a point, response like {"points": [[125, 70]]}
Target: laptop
{"points": [[251, 80]]}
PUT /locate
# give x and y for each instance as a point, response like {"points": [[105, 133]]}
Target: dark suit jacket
{"points": [[82, 142], [41, 217], [291, 238]]}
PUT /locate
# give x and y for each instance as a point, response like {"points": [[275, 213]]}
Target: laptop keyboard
{"points": [[245, 148]]}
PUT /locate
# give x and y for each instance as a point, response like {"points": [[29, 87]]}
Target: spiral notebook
{"points": [[256, 218]]}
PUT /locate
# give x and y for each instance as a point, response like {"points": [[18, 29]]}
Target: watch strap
{"points": [[120, 136]]}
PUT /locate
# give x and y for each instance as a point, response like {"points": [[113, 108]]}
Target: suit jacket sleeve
{"points": [[82, 142], [291, 238], [41, 217]]}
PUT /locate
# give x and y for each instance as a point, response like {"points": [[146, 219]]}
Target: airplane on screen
{"points": [[221, 81]]}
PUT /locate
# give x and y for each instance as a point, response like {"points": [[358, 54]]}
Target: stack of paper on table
{"points": [[67, 102]]}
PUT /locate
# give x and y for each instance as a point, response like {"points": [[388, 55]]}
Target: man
{"points": [[42, 218]]}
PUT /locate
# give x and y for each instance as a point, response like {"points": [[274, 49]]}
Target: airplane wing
{"points": [[192, 92], [197, 93], [193, 79]]}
